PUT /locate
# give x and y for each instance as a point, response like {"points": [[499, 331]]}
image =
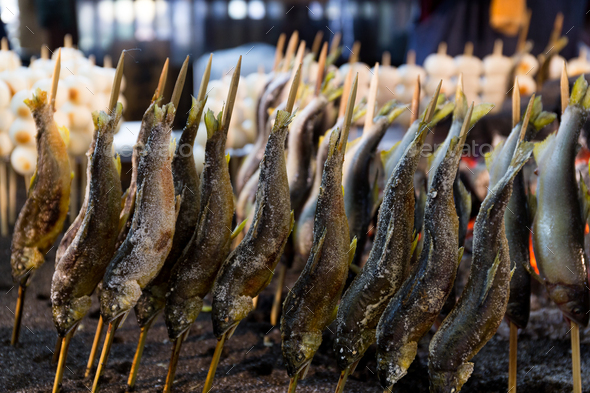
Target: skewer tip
{"points": [[117, 83], [231, 94], [175, 99]]}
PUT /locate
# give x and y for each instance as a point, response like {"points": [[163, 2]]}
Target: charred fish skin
{"points": [[387, 265], [358, 198], [84, 262], [421, 297], [268, 100], [482, 305], [148, 243], [194, 274], [248, 268], [558, 226], [322, 280], [42, 217], [186, 184], [126, 217], [300, 150]]}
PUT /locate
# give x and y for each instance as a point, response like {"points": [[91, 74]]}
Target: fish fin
{"points": [[544, 119], [386, 154], [334, 314], [227, 157], [460, 255], [490, 157], [512, 272], [527, 266], [441, 113], [414, 243], [480, 111], [354, 269], [316, 251], [238, 229], [375, 192], [292, 221], [65, 134], [542, 147], [177, 203], [353, 249], [258, 214], [172, 148], [33, 180], [490, 279], [117, 159], [584, 199]]}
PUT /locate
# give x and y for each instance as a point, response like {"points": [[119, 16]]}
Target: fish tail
{"points": [[579, 93], [38, 100]]}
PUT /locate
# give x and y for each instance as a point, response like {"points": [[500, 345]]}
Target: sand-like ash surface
{"points": [[251, 360]]}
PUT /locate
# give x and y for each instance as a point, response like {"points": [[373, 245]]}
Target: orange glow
{"points": [[587, 229], [470, 224], [532, 253]]}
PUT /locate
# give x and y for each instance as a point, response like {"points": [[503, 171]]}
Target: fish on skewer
{"points": [[186, 184], [562, 211], [482, 305], [193, 275], [389, 260], [127, 203], [141, 256], [311, 304], [249, 267], [82, 265], [42, 217], [421, 297]]}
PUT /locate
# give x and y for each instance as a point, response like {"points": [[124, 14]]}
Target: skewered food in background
{"points": [[82, 265], [42, 217], [480, 309], [388, 263], [471, 68], [421, 297], [193, 275], [321, 283], [496, 70], [440, 66]]}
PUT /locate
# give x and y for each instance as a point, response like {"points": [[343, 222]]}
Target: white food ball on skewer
{"points": [[579, 65], [24, 159], [22, 131], [496, 63], [527, 85], [5, 94], [199, 155], [467, 64], [555, 66], [18, 106], [529, 65], [79, 89], [79, 142], [61, 96], [79, 115], [5, 144], [6, 119], [440, 63], [16, 80]]}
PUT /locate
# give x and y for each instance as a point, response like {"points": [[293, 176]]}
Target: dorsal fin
{"points": [[490, 279], [316, 251], [490, 157], [386, 154], [543, 147]]}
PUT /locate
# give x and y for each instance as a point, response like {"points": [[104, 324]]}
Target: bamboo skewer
{"points": [[276, 305], [174, 361], [335, 42], [279, 51], [162, 81], [63, 354], [355, 52], [345, 91], [415, 106], [74, 190], [344, 376], [68, 41], [291, 47], [317, 42], [293, 384], [321, 67], [386, 59], [176, 93], [106, 349], [3, 199], [56, 350], [524, 31], [565, 88], [215, 362], [94, 348], [372, 99], [138, 352], [576, 372]]}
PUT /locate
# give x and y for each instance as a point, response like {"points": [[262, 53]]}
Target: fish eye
{"points": [[20, 266], [577, 310], [299, 357], [114, 307]]}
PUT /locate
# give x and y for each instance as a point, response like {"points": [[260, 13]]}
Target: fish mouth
{"points": [[229, 331], [303, 369]]}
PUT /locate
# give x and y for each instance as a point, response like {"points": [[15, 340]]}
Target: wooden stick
{"points": [[372, 99], [63, 355], [205, 79], [214, 363], [344, 376], [55, 79], [524, 31], [290, 51], [18, 313], [345, 92], [411, 57], [276, 305], [174, 361], [415, 106], [317, 42], [468, 50], [335, 42], [442, 48], [94, 348], [175, 99], [4, 44], [512, 362], [3, 199], [279, 51], [231, 95], [117, 83], [498, 46], [321, 68], [68, 41], [576, 372], [557, 28], [386, 59], [162, 81], [138, 352], [515, 103], [293, 90], [298, 58], [44, 52], [57, 350], [106, 349], [293, 384], [355, 52], [565, 88], [255, 302]]}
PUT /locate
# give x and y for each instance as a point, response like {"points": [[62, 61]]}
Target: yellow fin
{"points": [[491, 156], [117, 159], [238, 229], [461, 250], [480, 111], [227, 157], [414, 243], [386, 154], [490, 279], [65, 134], [541, 147], [352, 251], [316, 251]]}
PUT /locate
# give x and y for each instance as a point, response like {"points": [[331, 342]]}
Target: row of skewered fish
{"points": [[166, 242]]}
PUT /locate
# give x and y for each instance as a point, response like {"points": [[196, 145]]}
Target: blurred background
{"points": [[174, 28]]}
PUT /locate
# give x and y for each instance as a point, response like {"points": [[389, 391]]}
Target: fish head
{"points": [[181, 313], [450, 381], [118, 300], [572, 300], [393, 365], [24, 260], [350, 349], [149, 305], [228, 311], [299, 349], [67, 315]]}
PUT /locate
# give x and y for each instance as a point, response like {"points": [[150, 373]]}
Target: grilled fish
{"points": [[85, 260], [142, 254], [42, 217], [421, 297], [310, 306], [482, 305], [562, 210]]}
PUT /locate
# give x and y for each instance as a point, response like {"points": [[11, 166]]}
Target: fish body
{"points": [[141, 256], [558, 226], [194, 274], [186, 184], [300, 145], [82, 265], [388, 262], [249, 267], [482, 305], [421, 297], [268, 100], [42, 217]]}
